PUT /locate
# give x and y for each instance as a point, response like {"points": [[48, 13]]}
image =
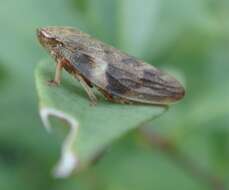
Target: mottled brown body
{"points": [[117, 75]]}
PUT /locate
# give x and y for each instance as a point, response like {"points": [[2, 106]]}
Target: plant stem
{"points": [[166, 146]]}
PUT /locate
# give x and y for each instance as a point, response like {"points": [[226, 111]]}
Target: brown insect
{"points": [[118, 76]]}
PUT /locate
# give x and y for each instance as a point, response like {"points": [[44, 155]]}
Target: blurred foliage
{"points": [[3, 74], [187, 37]]}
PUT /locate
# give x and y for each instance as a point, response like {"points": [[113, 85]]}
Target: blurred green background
{"points": [[189, 38]]}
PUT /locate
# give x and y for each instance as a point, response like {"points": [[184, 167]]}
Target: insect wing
{"points": [[124, 76]]}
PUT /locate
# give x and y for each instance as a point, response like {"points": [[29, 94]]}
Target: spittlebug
{"points": [[121, 78]]}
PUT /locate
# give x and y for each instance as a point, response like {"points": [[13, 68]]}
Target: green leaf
{"points": [[92, 128]]}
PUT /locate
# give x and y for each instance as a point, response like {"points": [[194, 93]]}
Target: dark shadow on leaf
{"points": [[4, 74]]}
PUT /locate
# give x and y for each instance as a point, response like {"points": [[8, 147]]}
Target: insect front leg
{"points": [[57, 78], [88, 89]]}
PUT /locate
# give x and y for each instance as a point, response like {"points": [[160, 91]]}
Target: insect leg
{"points": [[57, 78], [88, 89]]}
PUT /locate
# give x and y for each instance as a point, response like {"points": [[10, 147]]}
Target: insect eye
{"points": [[55, 43]]}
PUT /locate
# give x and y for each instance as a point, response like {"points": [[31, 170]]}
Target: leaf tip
{"points": [[68, 161], [66, 165]]}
